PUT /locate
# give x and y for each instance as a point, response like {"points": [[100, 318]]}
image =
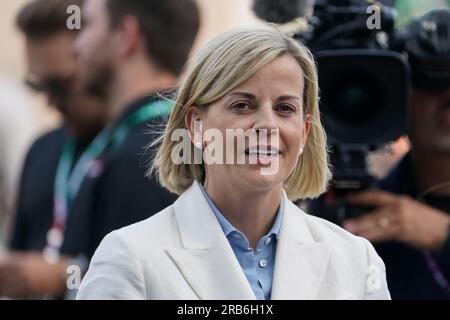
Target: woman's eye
{"points": [[285, 109], [241, 106]]}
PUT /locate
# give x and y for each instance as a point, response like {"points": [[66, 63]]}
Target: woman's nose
{"points": [[265, 118]]}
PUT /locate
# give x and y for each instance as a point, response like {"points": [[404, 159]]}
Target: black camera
{"points": [[364, 78], [364, 94]]}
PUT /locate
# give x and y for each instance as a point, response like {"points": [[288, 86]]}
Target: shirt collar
{"points": [[228, 228]]}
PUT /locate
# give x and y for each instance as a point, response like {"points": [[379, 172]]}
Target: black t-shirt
{"points": [[114, 195], [34, 209], [408, 274]]}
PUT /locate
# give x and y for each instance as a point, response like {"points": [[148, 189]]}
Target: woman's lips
{"points": [[262, 155]]}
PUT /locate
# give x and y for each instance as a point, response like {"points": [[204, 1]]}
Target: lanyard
{"points": [[436, 271], [68, 182], [432, 264]]}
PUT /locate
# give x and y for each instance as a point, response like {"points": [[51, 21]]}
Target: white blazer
{"points": [[182, 253]]}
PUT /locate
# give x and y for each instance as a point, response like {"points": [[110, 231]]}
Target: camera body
{"points": [[365, 91], [364, 86]]}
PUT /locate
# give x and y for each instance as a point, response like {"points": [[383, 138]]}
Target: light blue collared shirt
{"points": [[258, 266]]}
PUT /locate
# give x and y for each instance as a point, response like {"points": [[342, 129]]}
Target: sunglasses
{"points": [[54, 86]]}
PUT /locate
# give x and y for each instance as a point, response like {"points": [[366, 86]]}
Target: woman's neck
{"points": [[252, 213]]}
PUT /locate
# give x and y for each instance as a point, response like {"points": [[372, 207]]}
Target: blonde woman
{"points": [[234, 232]]}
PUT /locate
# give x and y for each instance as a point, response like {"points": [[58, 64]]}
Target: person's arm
{"points": [[18, 238], [399, 218], [376, 287], [114, 273], [25, 275]]}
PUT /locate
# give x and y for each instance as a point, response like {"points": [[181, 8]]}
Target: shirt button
{"points": [[263, 263], [268, 241]]}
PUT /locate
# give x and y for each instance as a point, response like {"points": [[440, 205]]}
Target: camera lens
{"points": [[363, 95], [354, 100]]}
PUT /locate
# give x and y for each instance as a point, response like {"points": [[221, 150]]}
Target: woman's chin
{"points": [[255, 178]]}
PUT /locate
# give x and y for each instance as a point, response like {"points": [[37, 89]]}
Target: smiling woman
{"points": [[234, 233], [233, 75]]}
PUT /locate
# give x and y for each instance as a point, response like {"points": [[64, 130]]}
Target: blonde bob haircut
{"points": [[223, 64]]}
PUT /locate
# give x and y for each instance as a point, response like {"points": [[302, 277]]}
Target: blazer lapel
{"points": [[209, 265], [301, 262], [206, 260]]}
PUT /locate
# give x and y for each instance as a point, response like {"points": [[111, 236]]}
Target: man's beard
{"points": [[99, 81]]}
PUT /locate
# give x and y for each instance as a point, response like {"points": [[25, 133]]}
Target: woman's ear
{"points": [[129, 36], [193, 122]]}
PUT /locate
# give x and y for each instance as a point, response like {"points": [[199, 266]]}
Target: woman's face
{"points": [[270, 104]]}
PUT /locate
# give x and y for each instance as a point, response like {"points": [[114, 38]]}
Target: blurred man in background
{"points": [[130, 53], [52, 70], [411, 222]]}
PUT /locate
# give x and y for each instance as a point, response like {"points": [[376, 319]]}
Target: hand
{"points": [[28, 275], [399, 218]]}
